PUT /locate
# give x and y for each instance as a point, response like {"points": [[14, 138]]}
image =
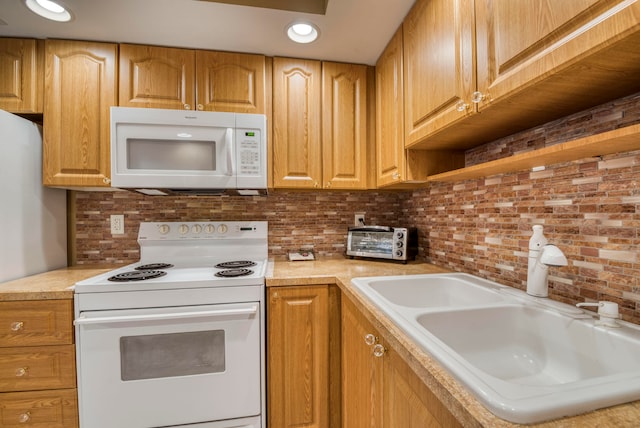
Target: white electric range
{"points": [[177, 338]]}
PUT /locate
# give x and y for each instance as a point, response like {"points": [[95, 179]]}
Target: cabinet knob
{"points": [[395, 176], [187, 106], [315, 184], [370, 339], [106, 180], [328, 184], [462, 106], [17, 325], [22, 371], [24, 417], [379, 350], [478, 96], [200, 107]]}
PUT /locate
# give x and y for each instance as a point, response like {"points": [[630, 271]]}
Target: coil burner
{"points": [[137, 275], [231, 273], [236, 264], [155, 266]]}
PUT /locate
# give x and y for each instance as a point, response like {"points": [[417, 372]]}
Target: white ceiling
{"points": [[353, 31]]}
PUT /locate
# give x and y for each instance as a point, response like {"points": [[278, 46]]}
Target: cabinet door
{"points": [[543, 39], [157, 77], [439, 67], [408, 401], [80, 87], [344, 126], [21, 68], [390, 114], [298, 356], [230, 82], [297, 149], [361, 372]]}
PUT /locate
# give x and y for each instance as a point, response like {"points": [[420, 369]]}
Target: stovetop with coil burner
{"points": [[193, 255]]}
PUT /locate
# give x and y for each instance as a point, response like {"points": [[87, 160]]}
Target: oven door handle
{"points": [[158, 317]]}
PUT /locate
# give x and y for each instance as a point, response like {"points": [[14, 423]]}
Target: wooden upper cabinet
{"points": [[80, 87], [439, 68], [157, 77], [523, 42], [22, 71], [230, 82], [319, 124], [297, 147], [344, 126]]}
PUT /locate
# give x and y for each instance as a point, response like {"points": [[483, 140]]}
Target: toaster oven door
{"points": [[362, 243]]}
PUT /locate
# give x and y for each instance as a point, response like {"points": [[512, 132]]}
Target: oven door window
{"points": [[153, 356]]}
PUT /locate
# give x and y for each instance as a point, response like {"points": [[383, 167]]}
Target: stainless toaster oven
{"points": [[382, 242]]}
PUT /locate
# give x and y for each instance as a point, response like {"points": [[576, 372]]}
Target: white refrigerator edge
{"points": [[33, 224]]}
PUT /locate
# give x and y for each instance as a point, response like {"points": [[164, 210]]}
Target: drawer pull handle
{"points": [[24, 418], [22, 371], [17, 325]]}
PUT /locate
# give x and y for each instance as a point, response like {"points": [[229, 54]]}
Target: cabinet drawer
{"points": [[36, 368], [36, 322], [46, 409]]}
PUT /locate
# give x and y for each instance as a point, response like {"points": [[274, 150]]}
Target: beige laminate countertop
{"points": [[58, 284], [55, 284], [455, 397]]}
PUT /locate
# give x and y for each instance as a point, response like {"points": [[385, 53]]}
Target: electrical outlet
{"points": [[117, 224], [358, 219]]}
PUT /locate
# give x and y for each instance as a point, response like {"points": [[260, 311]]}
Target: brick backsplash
{"points": [[296, 219], [590, 208]]}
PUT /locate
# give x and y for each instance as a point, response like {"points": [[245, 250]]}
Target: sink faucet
{"points": [[541, 256]]}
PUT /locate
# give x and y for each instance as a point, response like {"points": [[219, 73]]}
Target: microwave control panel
{"points": [[249, 150]]}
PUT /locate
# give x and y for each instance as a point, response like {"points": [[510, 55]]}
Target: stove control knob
{"points": [[196, 228], [210, 228], [223, 228], [164, 229], [183, 229]]}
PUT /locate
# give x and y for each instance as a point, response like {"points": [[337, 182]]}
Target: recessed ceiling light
{"points": [[54, 11], [302, 32]]}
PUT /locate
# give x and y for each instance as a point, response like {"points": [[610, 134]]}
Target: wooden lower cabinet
{"points": [[40, 409], [361, 372], [378, 387], [302, 354], [37, 364], [408, 402]]}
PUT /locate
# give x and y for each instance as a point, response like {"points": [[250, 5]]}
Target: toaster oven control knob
{"points": [[163, 229], [399, 253], [400, 235], [223, 228], [210, 228], [399, 244], [196, 229], [183, 229]]}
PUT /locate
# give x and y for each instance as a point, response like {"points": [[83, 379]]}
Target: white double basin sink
{"points": [[526, 359]]}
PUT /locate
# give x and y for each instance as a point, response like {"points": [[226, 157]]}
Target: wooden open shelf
{"points": [[617, 141]]}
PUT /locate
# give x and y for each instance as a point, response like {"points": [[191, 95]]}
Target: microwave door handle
{"points": [[157, 317], [228, 139]]}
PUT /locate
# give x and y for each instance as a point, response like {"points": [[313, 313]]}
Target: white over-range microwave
{"points": [[160, 151]]}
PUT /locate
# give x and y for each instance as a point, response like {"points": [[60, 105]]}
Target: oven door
{"points": [[169, 366]]}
